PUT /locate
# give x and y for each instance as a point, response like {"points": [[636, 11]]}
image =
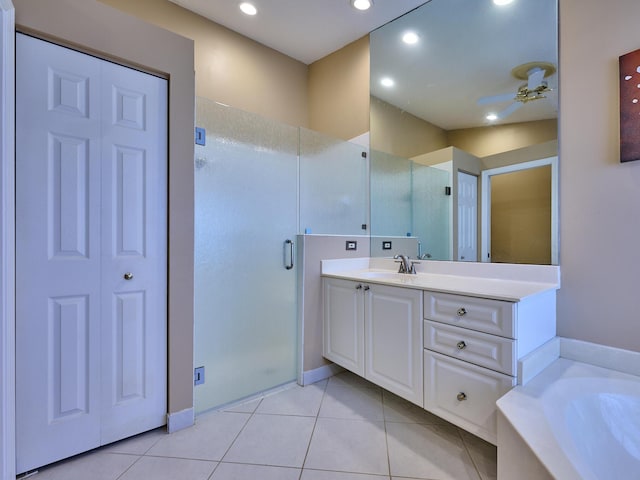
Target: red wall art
{"points": [[630, 106]]}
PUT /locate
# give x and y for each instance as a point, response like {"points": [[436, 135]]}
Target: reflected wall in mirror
{"points": [[433, 140]]}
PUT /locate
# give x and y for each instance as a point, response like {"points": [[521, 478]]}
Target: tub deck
{"points": [[579, 421]]}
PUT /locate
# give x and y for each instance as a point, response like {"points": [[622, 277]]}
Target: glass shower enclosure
{"points": [[245, 284], [259, 183]]}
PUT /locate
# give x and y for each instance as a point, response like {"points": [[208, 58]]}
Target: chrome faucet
{"points": [[404, 263]]}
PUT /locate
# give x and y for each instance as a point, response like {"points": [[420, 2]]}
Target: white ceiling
{"points": [[466, 51], [306, 30]]}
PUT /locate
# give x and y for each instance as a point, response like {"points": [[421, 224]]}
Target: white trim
{"points": [[486, 175], [7, 241], [320, 373], [179, 420]]}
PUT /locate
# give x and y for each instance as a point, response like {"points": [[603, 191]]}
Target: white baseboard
{"points": [[179, 420], [321, 373]]}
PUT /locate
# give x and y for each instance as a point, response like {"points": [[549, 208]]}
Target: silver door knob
{"points": [[461, 397], [128, 276]]}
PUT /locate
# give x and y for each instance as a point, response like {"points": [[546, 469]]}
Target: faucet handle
{"points": [[413, 267]]}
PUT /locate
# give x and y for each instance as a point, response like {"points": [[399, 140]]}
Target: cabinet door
{"points": [[343, 332], [393, 329]]}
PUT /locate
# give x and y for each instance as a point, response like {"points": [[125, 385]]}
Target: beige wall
{"points": [[484, 141], [521, 216], [231, 68], [110, 34], [599, 197], [399, 133], [339, 92]]}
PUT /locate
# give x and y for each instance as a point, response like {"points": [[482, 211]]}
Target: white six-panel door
{"points": [[467, 217], [91, 200]]}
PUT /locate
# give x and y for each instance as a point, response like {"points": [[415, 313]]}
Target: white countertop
{"points": [[477, 280]]}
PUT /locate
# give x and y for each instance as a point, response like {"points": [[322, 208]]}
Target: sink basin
{"points": [[380, 275]]}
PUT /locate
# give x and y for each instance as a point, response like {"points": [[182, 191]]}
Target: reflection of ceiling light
{"points": [[361, 4], [248, 8], [387, 82], [492, 117], [502, 2], [410, 38]]}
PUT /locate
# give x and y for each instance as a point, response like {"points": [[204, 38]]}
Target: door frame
{"points": [[486, 175], [7, 241]]}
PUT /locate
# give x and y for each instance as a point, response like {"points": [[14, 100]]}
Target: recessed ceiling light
{"points": [[502, 2], [410, 38], [492, 117], [387, 82], [248, 8], [362, 4]]}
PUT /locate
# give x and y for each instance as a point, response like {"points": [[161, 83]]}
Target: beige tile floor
{"points": [[340, 429]]}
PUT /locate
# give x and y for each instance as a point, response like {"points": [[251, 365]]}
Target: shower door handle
{"points": [[288, 243]]}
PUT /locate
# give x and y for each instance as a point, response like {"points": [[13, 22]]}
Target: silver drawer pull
{"points": [[461, 345], [461, 397], [461, 312], [128, 276], [359, 287]]}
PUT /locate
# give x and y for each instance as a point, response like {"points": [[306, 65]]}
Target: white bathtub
{"points": [[579, 421]]}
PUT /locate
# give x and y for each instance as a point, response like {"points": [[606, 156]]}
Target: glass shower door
{"points": [[245, 286]]}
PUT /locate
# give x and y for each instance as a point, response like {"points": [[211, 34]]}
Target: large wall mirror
{"points": [[463, 132]]}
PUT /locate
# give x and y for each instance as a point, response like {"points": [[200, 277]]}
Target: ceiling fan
{"points": [[535, 88]]}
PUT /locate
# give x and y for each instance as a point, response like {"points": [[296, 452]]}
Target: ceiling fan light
{"points": [[362, 4]]}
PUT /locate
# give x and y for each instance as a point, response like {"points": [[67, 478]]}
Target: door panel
{"points": [[134, 225], [87, 340], [57, 253]]}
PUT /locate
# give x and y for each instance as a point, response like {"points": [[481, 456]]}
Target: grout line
{"points": [[386, 435], [466, 448], [313, 430], [129, 467], [236, 437]]}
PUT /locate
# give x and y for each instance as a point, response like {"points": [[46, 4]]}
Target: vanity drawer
{"points": [[464, 394], [481, 314], [490, 351]]}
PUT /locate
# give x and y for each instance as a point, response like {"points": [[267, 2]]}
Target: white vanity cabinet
{"points": [[448, 339], [375, 331], [471, 350]]}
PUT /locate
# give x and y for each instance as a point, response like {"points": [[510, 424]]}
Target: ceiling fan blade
{"points": [[495, 99], [536, 75], [509, 110]]}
